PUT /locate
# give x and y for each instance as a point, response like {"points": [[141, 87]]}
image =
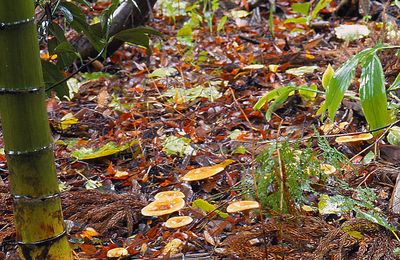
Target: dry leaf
{"points": [[117, 252], [354, 138], [173, 247], [102, 99], [209, 238], [206, 172]]}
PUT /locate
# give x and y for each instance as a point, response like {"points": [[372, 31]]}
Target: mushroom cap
{"points": [[354, 138], [168, 195], [327, 168], [117, 252], [163, 207], [206, 172], [238, 206], [177, 222]]}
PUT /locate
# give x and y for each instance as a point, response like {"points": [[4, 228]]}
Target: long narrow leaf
{"points": [[342, 78], [338, 85], [373, 93], [396, 83]]}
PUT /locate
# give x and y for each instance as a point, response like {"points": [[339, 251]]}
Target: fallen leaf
{"points": [[351, 32], [117, 252], [206, 172], [173, 247], [354, 138]]}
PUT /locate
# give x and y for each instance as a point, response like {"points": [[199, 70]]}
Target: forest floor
{"points": [[137, 124]]}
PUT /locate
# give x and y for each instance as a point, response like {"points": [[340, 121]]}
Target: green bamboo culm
{"points": [[40, 230]]}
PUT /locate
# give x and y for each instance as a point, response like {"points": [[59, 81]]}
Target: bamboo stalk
{"points": [[28, 143]]}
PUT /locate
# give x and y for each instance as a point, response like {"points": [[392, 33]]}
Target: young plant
{"points": [[284, 176], [308, 14], [278, 96], [372, 87]]}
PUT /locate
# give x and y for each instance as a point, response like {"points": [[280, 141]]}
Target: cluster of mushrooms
{"points": [[168, 202]]}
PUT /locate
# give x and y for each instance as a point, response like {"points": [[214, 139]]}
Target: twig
{"points": [[78, 70], [241, 110]]}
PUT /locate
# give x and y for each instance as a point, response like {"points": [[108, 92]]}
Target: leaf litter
{"points": [[137, 133]]}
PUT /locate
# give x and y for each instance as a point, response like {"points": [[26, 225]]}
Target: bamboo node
{"points": [[4, 25], [14, 91], [31, 199], [44, 242], [22, 153]]}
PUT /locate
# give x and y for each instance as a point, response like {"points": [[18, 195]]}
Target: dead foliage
{"points": [[105, 212], [308, 237], [108, 213]]}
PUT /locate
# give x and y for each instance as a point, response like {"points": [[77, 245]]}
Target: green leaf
{"points": [[163, 72], [373, 93], [298, 20], [327, 76], [177, 146], [52, 75], [394, 135], [341, 80], [240, 150], [221, 23], [320, 5], [374, 218], [95, 75], [261, 102], [302, 8], [106, 150], [211, 93], [308, 92], [78, 23], [137, 36], [207, 207], [333, 204], [396, 84], [66, 54], [106, 15], [300, 71], [338, 85], [279, 97]]}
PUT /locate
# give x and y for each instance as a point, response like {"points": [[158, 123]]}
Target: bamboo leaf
{"points": [[396, 84], [339, 84], [373, 93], [302, 8], [342, 78], [207, 207], [280, 96], [52, 75], [320, 5], [327, 76], [78, 23]]}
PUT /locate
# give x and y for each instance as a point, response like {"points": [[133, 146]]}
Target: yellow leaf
{"points": [[273, 68], [117, 252], [326, 77], [354, 138], [89, 233], [102, 98], [206, 172], [173, 247], [67, 121]]}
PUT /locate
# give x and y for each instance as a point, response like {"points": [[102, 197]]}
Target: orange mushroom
{"points": [[354, 138], [243, 205], [168, 195], [177, 222], [206, 172], [328, 169], [163, 207]]}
